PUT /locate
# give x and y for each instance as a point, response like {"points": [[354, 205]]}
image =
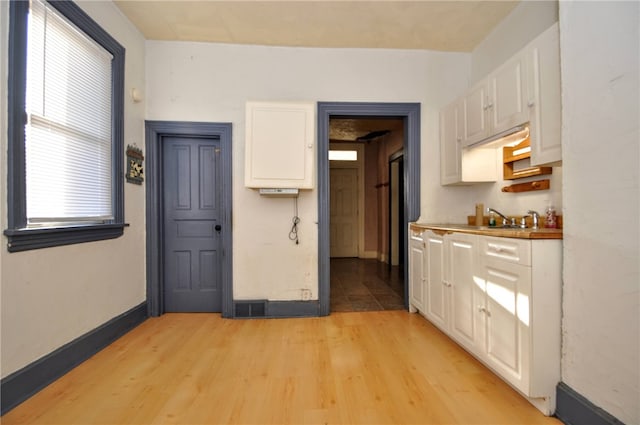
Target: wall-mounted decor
{"points": [[135, 170]]}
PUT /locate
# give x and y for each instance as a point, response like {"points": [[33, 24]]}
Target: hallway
{"points": [[365, 285]]}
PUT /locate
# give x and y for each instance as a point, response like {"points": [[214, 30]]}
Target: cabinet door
{"points": [[416, 270], [279, 145], [508, 320], [436, 294], [461, 278], [451, 130], [543, 97], [507, 104], [475, 118]]}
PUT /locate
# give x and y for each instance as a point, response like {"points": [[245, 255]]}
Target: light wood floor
{"points": [[387, 367]]}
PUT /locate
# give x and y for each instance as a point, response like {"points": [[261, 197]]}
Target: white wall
{"points": [[51, 296], [524, 23], [212, 82], [601, 298]]}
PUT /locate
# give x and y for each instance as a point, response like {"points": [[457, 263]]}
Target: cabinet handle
{"points": [[447, 284], [459, 139], [482, 309], [531, 103], [496, 248]]}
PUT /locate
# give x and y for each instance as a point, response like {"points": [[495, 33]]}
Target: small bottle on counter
{"points": [[492, 220], [551, 221]]}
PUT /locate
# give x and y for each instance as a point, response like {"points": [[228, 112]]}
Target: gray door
{"points": [[192, 258]]}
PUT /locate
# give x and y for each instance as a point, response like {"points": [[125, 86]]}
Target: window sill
{"points": [[28, 239]]}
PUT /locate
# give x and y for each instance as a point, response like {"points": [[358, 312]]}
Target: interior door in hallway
{"points": [[191, 207], [343, 212]]}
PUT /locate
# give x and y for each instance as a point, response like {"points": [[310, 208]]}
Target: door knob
{"points": [[218, 227]]}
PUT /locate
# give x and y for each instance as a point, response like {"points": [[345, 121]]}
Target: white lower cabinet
{"points": [[505, 320], [500, 299], [451, 292], [462, 281], [436, 305], [416, 270]]}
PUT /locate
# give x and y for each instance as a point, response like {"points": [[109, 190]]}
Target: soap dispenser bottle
{"points": [[551, 220], [492, 220]]}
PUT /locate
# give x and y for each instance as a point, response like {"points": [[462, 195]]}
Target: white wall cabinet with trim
{"points": [[500, 299], [497, 103], [280, 145], [543, 97], [458, 165], [525, 89]]}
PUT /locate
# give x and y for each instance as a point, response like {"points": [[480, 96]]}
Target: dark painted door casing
{"points": [[191, 221]]}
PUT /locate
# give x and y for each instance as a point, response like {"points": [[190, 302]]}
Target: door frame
{"points": [[393, 229], [411, 114], [155, 132]]}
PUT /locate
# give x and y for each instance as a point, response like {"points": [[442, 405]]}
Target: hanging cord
{"points": [[293, 234]]}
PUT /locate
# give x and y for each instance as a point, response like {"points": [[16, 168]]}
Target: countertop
{"points": [[502, 232]]}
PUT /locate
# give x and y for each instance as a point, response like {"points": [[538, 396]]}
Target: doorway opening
{"points": [[373, 217]]}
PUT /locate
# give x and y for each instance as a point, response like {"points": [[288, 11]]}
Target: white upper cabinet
{"points": [[544, 102], [280, 145], [508, 106], [524, 90], [497, 103], [451, 132], [476, 103], [458, 165]]}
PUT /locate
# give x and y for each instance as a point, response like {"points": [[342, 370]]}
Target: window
{"points": [[66, 86], [335, 155]]}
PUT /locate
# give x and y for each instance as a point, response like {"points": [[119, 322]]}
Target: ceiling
{"points": [[451, 25], [420, 24], [350, 129]]}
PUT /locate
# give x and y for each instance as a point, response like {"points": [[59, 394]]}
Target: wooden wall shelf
{"points": [[512, 154], [526, 187]]}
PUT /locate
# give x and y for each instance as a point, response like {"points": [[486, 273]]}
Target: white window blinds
{"points": [[68, 132]]}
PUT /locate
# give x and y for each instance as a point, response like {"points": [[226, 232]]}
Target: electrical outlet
{"points": [[305, 294]]}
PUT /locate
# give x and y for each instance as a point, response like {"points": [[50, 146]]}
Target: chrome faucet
{"points": [[505, 219], [535, 219]]}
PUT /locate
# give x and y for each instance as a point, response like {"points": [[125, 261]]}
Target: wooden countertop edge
{"points": [[495, 231]]}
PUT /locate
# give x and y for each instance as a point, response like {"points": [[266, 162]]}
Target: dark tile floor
{"points": [[365, 285]]}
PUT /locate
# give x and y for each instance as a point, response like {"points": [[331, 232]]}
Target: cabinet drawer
{"points": [[507, 249]]}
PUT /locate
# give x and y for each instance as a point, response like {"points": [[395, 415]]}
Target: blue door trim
{"points": [[411, 114], [155, 131]]}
